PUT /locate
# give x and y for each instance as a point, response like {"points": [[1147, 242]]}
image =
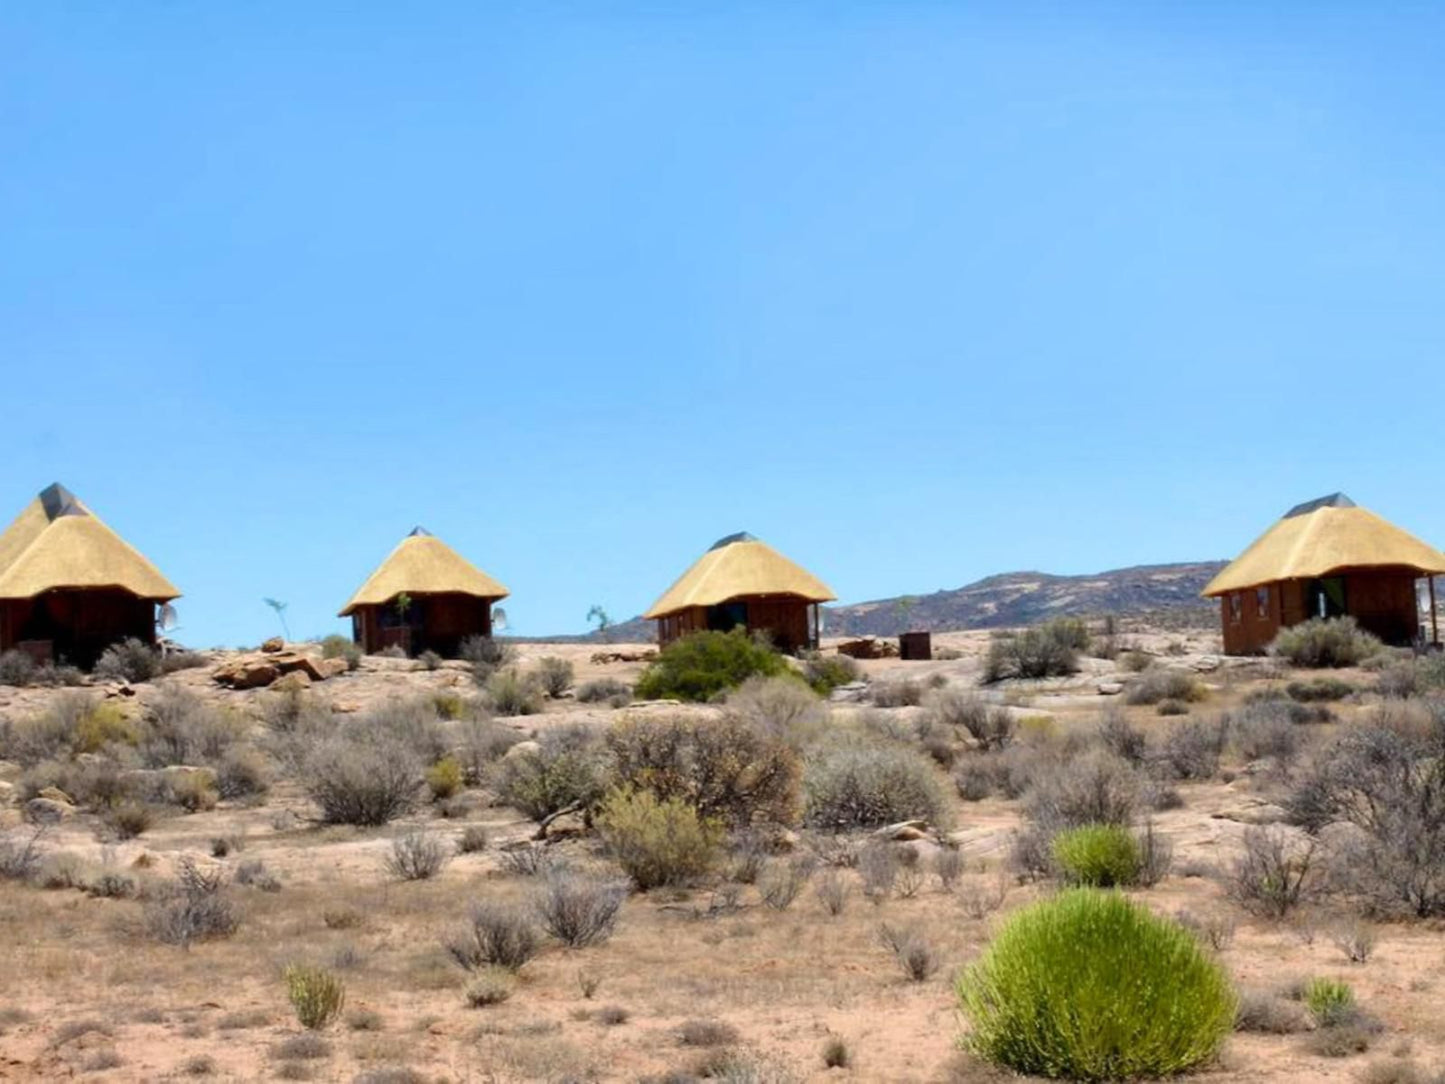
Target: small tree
{"points": [[598, 616], [280, 608]]}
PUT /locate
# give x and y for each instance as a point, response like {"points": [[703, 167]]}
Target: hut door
{"points": [[727, 616], [1326, 597]]}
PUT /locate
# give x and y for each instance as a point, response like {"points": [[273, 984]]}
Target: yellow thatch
{"points": [[56, 542], [1321, 537], [424, 565], [736, 566]]}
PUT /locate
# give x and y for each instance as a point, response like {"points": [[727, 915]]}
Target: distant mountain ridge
{"points": [[1011, 599]]}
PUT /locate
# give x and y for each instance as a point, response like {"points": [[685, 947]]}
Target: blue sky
{"points": [[917, 292]]}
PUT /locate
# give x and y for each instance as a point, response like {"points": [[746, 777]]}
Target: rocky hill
{"points": [[1015, 598]]}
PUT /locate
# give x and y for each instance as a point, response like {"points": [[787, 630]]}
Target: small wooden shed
{"points": [[70, 586], [743, 582], [424, 597], [1327, 558]]}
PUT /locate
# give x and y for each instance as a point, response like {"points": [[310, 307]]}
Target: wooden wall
{"points": [[1383, 601], [785, 618], [78, 624], [437, 623]]}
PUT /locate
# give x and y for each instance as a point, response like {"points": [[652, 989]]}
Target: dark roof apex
{"points": [[728, 540], [419, 532], [59, 501], [1333, 500]]}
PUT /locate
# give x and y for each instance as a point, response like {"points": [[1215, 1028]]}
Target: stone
{"points": [[1207, 665], [43, 811], [295, 682], [1257, 813], [330, 668], [1110, 688], [851, 693], [294, 662], [250, 673], [273, 645], [522, 749], [904, 831], [55, 794], [7, 792]]}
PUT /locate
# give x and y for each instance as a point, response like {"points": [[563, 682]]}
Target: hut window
{"points": [[1261, 601], [1236, 606]]}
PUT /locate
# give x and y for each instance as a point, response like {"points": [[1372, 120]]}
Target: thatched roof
{"points": [[737, 566], [57, 542], [1324, 536], [424, 565]]}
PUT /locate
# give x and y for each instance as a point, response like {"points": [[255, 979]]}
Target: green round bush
{"points": [[703, 664], [1090, 986], [1101, 855]]}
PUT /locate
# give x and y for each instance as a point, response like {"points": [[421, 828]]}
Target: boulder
{"points": [[1110, 688], [43, 811], [273, 645], [904, 831], [292, 662], [1207, 664], [295, 682], [251, 673], [522, 749], [1255, 813], [330, 668], [55, 794], [7, 792], [851, 693]]}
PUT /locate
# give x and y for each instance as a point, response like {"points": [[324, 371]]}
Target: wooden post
{"points": [[1434, 620]]}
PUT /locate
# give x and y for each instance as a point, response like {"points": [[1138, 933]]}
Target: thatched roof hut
{"points": [[70, 586], [424, 597], [742, 581], [1325, 558]]}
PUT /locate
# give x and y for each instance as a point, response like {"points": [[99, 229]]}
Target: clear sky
{"points": [[917, 292]]}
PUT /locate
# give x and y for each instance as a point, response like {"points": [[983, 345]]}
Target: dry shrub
{"points": [[906, 693], [1192, 750], [1158, 684], [362, 777], [1095, 788], [1264, 730], [498, 935], [878, 867], [707, 1033], [832, 890], [917, 956], [16, 668], [579, 910], [779, 708], [1269, 1014], [472, 839], [616, 693], [565, 769], [850, 786], [485, 655], [1276, 873], [195, 907], [781, 881], [727, 769], [657, 842], [304, 1047], [1049, 650], [555, 675], [948, 866], [1121, 737], [242, 772], [130, 660], [824, 673], [416, 856], [444, 778], [180, 727], [990, 726], [491, 986]]}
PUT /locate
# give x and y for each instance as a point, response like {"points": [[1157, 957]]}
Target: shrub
{"points": [[1192, 750], [242, 772], [316, 995], [492, 986], [254, 874], [51, 733], [1090, 986], [707, 1033], [826, 672], [617, 693], [485, 655], [1158, 685], [1275, 873], [304, 1047], [564, 770], [1215, 929], [859, 786], [1264, 729], [975, 779], [1268, 1014], [364, 778], [948, 867], [444, 778], [337, 646], [105, 724], [472, 840], [699, 666], [499, 935], [555, 675], [182, 728], [723, 768], [1122, 738], [416, 856], [16, 668], [991, 726], [906, 693], [1389, 783], [1317, 689], [1413, 677], [510, 692], [1329, 1001], [915, 953], [128, 820], [782, 881], [835, 1053], [130, 660], [878, 867], [781, 709], [832, 891], [196, 907], [577, 910], [1049, 650], [1101, 855], [657, 842], [429, 660], [1321, 643], [1096, 788], [1355, 939]]}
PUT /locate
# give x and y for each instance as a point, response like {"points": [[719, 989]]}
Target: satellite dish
{"points": [[166, 618], [499, 618]]}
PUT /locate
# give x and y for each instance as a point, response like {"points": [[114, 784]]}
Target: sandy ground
{"points": [[87, 994]]}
